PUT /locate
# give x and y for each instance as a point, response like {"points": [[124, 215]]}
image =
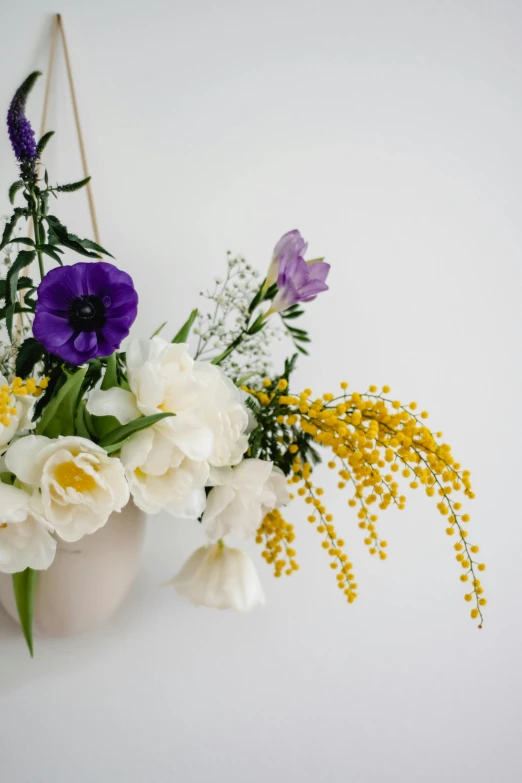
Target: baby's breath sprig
{"points": [[226, 324]]}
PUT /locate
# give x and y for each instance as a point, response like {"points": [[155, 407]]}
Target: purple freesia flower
{"points": [[297, 280], [290, 246], [84, 311], [20, 131]]}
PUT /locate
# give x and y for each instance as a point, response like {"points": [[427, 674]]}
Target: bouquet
{"points": [[211, 434]]}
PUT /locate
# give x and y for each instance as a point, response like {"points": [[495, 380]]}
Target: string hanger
{"points": [[58, 30]]}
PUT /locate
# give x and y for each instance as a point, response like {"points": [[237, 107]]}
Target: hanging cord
{"points": [[78, 129], [58, 29]]}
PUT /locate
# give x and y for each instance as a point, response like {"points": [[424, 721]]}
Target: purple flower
{"points": [[291, 245], [297, 280], [20, 131], [84, 311]]}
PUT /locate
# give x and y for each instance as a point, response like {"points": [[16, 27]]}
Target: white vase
{"points": [[88, 580]]}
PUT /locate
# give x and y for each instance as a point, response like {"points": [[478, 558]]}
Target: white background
{"points": [[390, 134]]}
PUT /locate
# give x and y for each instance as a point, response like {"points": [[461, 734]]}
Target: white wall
{"points": [[389, 133]]}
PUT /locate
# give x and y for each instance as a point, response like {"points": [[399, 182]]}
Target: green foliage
{"points": [[299, 336], [23, 260], [10, 226], [115, 439], [24, 587], [182, 335], [44, 141], [59, 417], [13, 190], [110, 379], [60, 235], [271, 440], [72, 186], [31, 352]]}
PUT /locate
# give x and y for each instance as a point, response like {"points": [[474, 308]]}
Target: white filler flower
{"points": [[25, 538], [76, 484], [167, 465], [242, 497], [220, 577]]}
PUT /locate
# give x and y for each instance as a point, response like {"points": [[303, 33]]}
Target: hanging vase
{"points": [[88, 579]]}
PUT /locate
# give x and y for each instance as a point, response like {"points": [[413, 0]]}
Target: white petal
{"points": [[217, 500], [220, 577], [22, 458], [116, 402], [12, 502]]}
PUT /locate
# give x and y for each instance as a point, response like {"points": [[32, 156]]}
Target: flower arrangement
{"points": [[214, 435]]}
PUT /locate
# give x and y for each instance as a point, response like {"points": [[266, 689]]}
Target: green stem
{"points": [[35, 214]]}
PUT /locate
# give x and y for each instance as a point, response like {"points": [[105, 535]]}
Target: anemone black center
{"points": [[87, 313]]}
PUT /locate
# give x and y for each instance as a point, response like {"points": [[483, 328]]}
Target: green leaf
{"points": [[10, 226], [51, 250], [120, 434], [66, 239], [13, 190], [31, 352], [159, 329], [23, 282], [184, 332], [42, 144], [110, 379], [23, 259], [59, 417], [81, 427], [24, 587], [22, 241], [258, 324], [72, 186], [90, 245]]}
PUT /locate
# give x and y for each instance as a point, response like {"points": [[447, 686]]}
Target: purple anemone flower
{"points": [[20, 131], [84, 311], [290, 246]]}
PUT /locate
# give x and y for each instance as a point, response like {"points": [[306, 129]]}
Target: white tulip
{"points": [[220, 577], [242, 496], [161, 478], [75, 484], [20, 418], [168, 468], [25, 537]]}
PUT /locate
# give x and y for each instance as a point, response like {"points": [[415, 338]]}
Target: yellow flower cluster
{"points": [[277, 536], [375, 441], [18, 388]]}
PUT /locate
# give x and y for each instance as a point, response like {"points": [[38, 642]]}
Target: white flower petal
{"points": [[116, 402], [22, 458], [220, 577]]}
